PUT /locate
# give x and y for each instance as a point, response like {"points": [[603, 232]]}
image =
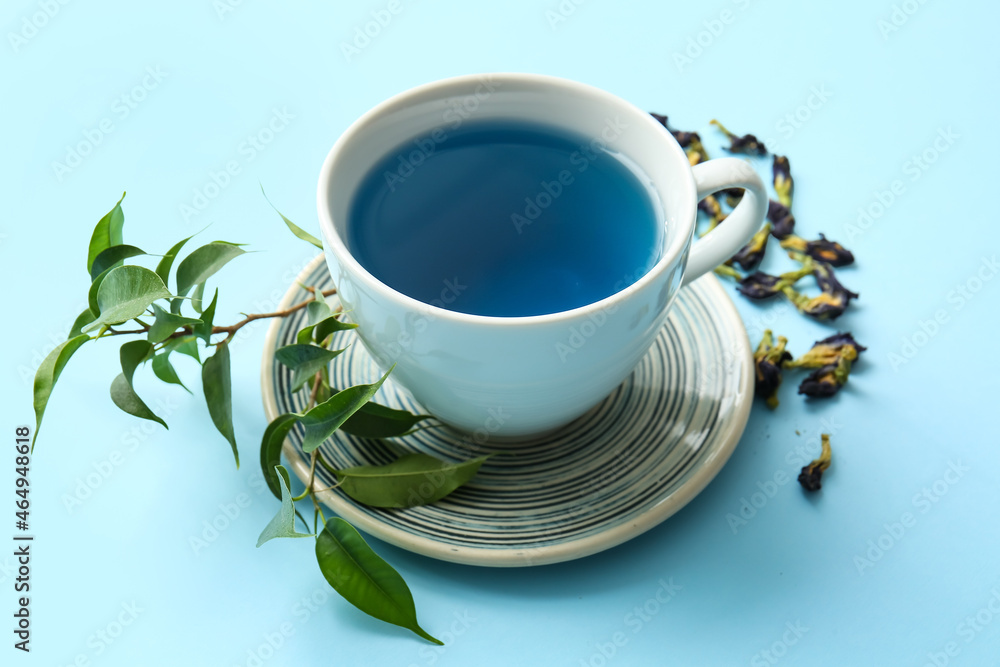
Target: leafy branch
{"points": [[139, 299]]}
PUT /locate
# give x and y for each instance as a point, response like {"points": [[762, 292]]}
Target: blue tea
{"points": [[504, 219]]}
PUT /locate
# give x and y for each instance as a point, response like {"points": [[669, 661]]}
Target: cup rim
{"points": [[672, 251]]}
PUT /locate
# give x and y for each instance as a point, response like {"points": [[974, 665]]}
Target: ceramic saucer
{"points": [[614, 473]]}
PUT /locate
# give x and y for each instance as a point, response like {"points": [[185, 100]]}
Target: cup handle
{"points": [[736, 230]]}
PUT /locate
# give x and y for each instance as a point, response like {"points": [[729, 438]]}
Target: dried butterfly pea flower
{"points": [[781, 172], [752, 253], [732, 196], [823, 249], [660, 118], [826, 381], [760, 285], [831, 302], [747, 144], [768, 360], [781, 218], [710, 207], [689, 141], [695, 152], [811, 477], [829, 351]]}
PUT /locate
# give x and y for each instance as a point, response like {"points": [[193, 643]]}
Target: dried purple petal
{"points": [[827, 380], [760, 285], [747, 144], [831, 302], [752, 253], [811, 476], [710, 207], [781, 218], [732, 196], [768, 360], [781, 172], [830, 351], [685, 139], [822, 249], [821, 383]]}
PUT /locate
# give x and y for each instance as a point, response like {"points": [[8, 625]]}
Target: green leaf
{"points": [[377, 421], [283, 523], [122, 393], [199, 293], [167, 323], [317, 311], [95, 287], [107, 233], [125, 293], [364, 579], [217, 383], [270, 448], [82, 320], [305, 360], [185, 345], [163, 268], [323, 420], [204, 330], [322, 329], [202, 264], [412, 480], [321, 298], [48, 373], [163, 369], [112, 257], [298, 231]]}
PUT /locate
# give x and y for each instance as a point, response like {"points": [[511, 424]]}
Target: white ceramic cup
{"points": [[518, 376]]}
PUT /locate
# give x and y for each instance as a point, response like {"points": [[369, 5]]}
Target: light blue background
{"points": [[896, 429]]}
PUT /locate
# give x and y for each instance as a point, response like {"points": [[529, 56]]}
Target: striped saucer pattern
{"points": [[622, 468]]}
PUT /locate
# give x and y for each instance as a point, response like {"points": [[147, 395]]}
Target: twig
{"points": [[232, 328]]}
